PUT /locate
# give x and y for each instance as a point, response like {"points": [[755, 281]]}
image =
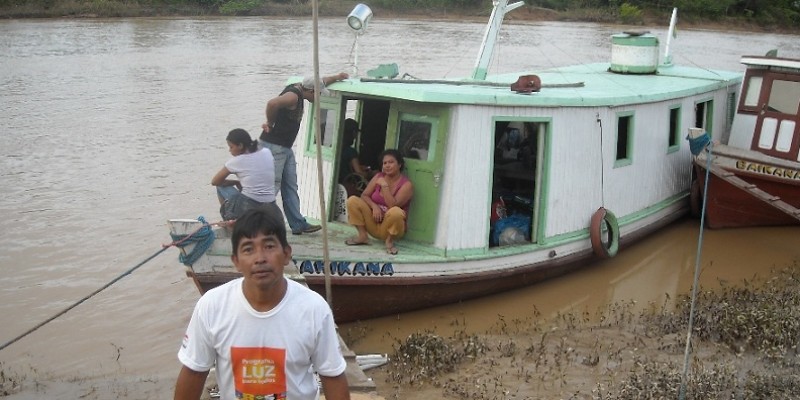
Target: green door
{"points": [[420, 132]]}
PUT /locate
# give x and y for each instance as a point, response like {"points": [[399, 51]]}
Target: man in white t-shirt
{"points": [[265, 333]]}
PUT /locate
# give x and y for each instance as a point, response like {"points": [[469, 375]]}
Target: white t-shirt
{"points": [[263, 353], [256, 172]]}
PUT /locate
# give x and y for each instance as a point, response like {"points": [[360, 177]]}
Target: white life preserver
{"points": [[604, 233]]}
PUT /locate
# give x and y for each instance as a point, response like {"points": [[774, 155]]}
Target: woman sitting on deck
{"points": [[382, 208], [255, 170]]}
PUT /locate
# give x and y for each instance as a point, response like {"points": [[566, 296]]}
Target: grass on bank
{"points": [[744, 346]]}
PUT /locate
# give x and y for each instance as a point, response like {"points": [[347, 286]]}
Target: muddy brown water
{"points": [[110, 127]]}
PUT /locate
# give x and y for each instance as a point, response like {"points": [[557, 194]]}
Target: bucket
{"points": [[695, 133]]}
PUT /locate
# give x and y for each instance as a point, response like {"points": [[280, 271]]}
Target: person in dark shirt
{"points": [[284, 113], [352, 175]]}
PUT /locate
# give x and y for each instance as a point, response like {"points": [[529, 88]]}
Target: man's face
{"points": [[308, 93], [261, 260]]}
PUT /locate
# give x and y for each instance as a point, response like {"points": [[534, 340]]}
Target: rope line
{"points": [[64, 311], [203, 238], [696, 145], [177, 243]]}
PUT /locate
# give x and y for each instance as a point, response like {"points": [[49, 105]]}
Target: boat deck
{"points": [[310, 246]]}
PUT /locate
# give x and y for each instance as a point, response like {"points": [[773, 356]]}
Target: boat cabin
{"points": [[479, 152], [768, 113]]}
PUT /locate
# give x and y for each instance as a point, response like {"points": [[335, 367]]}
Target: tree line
{"points": [[765, 13]]}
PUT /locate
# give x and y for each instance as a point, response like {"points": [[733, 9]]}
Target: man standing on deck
{"points": [[264, 332], [284, 114]]}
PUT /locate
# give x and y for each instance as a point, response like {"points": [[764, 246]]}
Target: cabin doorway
{"points": [[374, 118], [370, 119], [516, 185]]}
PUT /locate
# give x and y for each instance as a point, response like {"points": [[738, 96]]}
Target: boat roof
{"points": [[599, 87], [764, 61]]}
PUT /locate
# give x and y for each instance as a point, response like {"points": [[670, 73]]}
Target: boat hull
{"points": [[361, 299], [729, 205], [356, 299], [376, 294]]}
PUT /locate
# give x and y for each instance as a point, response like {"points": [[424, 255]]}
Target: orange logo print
{"points": [[259, 372]]}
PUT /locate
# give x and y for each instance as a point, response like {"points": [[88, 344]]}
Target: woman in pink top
{"points": [[382, 209]]}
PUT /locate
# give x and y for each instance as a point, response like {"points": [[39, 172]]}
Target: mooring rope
{"points": [[696, 145], [178, 243], [203, 238]]}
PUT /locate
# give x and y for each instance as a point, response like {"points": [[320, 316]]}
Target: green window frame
{"points": [[674, 139], [329, 114], [704, 115], [623, 153], [416, 138]]}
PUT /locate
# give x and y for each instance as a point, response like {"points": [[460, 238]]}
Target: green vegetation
{"points": [[766, 14]]}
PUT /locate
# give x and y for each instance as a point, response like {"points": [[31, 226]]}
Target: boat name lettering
{"points": [[767, 170], [362, 268]]}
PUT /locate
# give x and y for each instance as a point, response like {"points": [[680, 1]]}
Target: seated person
{"points": [[255, 170], [352, 175], [382, 209], [508, 146]]}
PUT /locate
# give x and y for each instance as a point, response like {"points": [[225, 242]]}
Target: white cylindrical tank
{"points": [[634, 53]]}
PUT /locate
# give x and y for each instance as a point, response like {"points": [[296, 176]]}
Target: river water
{"points": [[111, 127]]}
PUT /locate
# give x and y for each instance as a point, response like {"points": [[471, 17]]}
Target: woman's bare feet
{"points": [[390, 249]]}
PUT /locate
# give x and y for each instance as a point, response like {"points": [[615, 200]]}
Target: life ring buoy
{"points": [[604, 233]]}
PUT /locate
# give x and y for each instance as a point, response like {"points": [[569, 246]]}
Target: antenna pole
{"points": [[670, 34], [499, 11]]}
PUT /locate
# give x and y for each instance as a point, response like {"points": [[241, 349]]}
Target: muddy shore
{"points": [[744, 346]]}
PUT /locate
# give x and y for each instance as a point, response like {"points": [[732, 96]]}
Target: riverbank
{"points": [[338, 8], [744, 346]]}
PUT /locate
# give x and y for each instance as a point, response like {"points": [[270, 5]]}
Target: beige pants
{"points": [[359, 213]]}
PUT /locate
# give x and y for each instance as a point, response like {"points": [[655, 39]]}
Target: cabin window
{"points": [[752, 90], [326, 129], [703, 115], [417, 137], [624, 140], [674, 129], [783, 97]]}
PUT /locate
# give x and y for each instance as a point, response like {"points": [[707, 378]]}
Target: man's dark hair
{"points": [[255, 221]]}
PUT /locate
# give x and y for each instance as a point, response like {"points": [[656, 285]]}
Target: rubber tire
{"points": [[603, 218]]}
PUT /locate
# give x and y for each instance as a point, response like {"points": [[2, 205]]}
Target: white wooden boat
{"points": [[754, 169], [587, 158]]}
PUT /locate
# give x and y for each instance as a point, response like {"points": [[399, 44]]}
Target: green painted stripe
{"points": [[628, 40]]}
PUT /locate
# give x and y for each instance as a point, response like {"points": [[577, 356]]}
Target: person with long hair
{"points": [[255, 170], [382, 209]]}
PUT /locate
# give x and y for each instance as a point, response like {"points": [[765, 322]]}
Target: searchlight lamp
{"points": [[359, 17]]}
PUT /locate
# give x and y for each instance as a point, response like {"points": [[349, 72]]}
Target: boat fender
{"points": [[604, 233]]}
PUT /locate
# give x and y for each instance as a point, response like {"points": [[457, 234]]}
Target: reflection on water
{"points": [[110, 127]]}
